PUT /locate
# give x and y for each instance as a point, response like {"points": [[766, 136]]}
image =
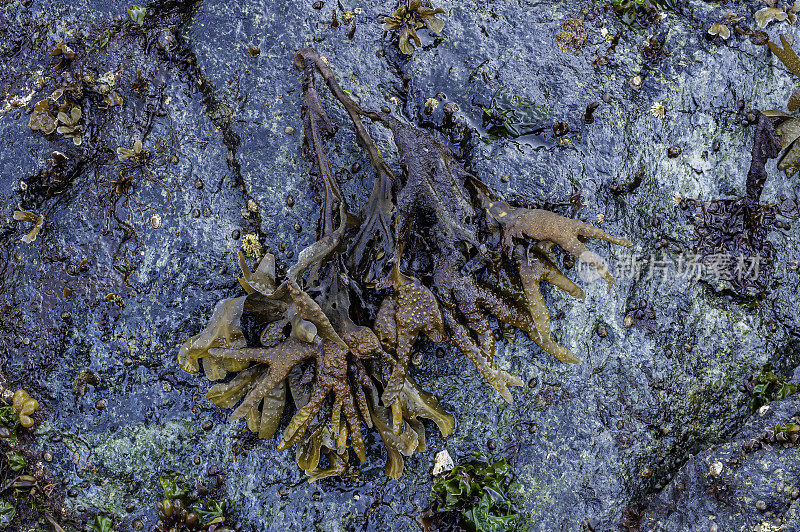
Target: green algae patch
{"points": [[477, 495]]}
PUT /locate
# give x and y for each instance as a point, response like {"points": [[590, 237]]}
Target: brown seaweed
{"points": [[408, 18], [482, 259]]}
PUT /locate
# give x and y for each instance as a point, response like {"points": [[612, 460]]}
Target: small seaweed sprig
{"points": [[776, 13], [630, 11], [408, 18]]}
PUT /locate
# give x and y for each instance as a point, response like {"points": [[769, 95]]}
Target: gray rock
{"points": [[591, 442]]}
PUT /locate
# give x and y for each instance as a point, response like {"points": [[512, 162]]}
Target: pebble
{"points": [[101, 404], [673, 152], [761, 505], [289, 130], [602, 331]]}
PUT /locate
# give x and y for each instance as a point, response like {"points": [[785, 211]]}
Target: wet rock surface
{"points": [[748, 482], [133, 254]]}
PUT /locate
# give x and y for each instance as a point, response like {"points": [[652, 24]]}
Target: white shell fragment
{"points": [[442, 463]]}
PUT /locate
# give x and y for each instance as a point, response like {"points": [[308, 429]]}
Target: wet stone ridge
{"points": [[136, 247]]}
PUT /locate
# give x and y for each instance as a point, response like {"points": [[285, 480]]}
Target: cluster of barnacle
{"points": [[408, 18], [447, 255], [783, 435]]}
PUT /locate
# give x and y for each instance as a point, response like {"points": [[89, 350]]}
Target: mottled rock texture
{"points": [[132, 257]]}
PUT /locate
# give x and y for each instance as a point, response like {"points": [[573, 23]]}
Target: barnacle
{"points": [[480, 259], [251, 246], [658, 110], [408, 18]]}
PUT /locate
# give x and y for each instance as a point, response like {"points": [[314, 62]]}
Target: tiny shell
{"points": [[155, 221]]}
